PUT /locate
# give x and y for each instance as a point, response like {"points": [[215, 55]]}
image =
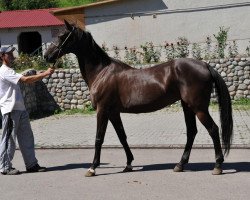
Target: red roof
{"points": [[28, 18]]}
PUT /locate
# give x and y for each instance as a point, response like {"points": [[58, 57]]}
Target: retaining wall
{"points": [[66, 88]]}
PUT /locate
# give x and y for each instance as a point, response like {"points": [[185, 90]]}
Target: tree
{"points": [[27, 4]]}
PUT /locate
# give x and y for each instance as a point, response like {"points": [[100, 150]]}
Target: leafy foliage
{"points": [[233, 49], [150, 53], [221, 38], [25, 61], [27, 4], [196, 51], [37, 4], [67, 3], [132, 56], [182, 47]]}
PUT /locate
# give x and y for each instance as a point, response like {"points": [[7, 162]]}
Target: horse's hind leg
{"points": [[213, 131], [191, 133], [115, 119]]}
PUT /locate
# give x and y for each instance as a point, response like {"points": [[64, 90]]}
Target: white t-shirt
{"points": [[10, 94]]}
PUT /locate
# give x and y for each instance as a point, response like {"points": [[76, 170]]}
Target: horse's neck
{"points": [[89, 71]]}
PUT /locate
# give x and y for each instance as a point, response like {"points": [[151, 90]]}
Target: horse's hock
{"points": [[67, 89]]}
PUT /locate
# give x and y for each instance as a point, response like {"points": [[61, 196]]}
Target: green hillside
{"points": [[69, 3], [24, 4]]}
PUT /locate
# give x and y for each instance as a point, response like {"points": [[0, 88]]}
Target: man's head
{"points": [[6, 55]]}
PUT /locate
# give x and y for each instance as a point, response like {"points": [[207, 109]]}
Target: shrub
{"points": [[25, 61], [221, 38], [196, 51], [150, 54], [182, 47], [248, 49], [233, 49], [117, 52], [170, 51], [131, 56]]}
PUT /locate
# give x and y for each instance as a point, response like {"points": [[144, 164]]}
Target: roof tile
{"points": [[28, 18]]}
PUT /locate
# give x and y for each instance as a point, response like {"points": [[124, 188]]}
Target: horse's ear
{"points": [[68, 26]]}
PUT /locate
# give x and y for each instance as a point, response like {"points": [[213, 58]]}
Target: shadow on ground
{"points": [[228, 168]]}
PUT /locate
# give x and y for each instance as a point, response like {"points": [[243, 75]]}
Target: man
{"points": [[15, 119]]}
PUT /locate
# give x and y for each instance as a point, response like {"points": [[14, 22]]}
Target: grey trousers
{"points": [[22, 131]]}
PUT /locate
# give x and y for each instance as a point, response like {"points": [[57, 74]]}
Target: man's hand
{"points": [[37, 77], [49, 71]]}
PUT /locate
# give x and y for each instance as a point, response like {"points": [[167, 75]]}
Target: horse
{"points": [[116, 87]]}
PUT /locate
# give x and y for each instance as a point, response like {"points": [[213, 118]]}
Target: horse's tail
{"points": [[225, 108]]}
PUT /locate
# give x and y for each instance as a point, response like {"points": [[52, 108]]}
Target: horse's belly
{"points": [[144, 107]]}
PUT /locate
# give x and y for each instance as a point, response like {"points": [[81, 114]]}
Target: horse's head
{"points": [[67, 42], [79, 42]]}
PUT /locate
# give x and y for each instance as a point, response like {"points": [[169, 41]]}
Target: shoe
{"points": [[36, 168], [11, 171]]}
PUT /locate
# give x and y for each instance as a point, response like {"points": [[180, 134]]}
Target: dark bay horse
{"points": [[116, 87]]}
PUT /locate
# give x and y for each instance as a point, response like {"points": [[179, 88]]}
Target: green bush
{"points": [[150, 53], [221, 38], [27, 4], [25, 61]]}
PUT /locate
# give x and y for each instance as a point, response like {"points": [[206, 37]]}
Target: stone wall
{"points": [[67, 89], [236, 74]]}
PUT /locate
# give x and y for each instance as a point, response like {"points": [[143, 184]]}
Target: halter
{"points": [[60, 47]]}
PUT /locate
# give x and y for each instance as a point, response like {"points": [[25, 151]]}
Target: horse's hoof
{"points": [[178, 168], [90, 172], [128, 168], [217, 171]]}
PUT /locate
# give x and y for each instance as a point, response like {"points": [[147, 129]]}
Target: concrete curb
{"points": [[175, 146]]}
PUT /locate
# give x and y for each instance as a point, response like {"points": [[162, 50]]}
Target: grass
{"points": [[239, 104], [70, 3]]}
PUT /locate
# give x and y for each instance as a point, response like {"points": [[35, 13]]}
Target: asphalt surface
{"points": [[153, 177], [65, 145]]}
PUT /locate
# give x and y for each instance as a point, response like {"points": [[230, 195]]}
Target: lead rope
{"points": [[60, 48]]}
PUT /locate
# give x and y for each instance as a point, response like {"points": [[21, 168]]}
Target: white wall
{"points": [[10, 36], [193, 19]]}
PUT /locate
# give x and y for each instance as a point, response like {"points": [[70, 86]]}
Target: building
{"points": [[134, 22], [28, 30]]}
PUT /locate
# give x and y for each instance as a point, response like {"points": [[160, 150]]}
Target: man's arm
{"points": [[37, 77]]}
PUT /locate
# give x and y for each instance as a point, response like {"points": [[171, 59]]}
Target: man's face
{"points": [[8, 58]]}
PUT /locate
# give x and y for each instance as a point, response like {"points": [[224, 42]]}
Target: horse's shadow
{"points": [[233, 167]]}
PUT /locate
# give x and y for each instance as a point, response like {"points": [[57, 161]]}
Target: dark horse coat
{"points": [[116, 87]]}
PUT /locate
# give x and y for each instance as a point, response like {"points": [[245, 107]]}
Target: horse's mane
{"points": [[94, 52]]}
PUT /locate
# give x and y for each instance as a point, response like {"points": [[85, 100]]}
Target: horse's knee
{"points": [[98, 142]]}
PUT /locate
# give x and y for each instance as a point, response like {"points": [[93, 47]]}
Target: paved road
{"points": [[165, 128], [152, 179]]}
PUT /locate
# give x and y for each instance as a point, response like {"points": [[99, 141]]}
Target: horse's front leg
{"points": [[116, 121], [102, 121]]}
